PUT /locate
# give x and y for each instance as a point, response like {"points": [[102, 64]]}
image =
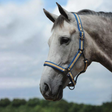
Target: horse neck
{"points": [[98, 39]]}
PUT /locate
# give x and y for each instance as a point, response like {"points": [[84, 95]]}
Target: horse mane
{"points": [[90, 12], [60, 20]]}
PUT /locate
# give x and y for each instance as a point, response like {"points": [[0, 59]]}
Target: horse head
{"points": [[63, 44]]}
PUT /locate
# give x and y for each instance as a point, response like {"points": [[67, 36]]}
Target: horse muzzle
{"points": [[48, 93]]}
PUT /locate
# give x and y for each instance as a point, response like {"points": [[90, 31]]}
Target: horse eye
{"points": [[65, 40]]}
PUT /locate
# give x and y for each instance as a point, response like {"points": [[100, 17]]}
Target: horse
{"points": [[93, 30]]}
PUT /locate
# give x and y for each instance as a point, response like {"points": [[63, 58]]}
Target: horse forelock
{"points": [[59, 21]]}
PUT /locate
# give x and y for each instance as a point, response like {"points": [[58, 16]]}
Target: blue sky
{"points": [[52, 3], [24, 32], [13, 1], [48, 3]]}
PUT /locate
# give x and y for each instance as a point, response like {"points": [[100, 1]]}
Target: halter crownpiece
{"points": [[67, 70]]}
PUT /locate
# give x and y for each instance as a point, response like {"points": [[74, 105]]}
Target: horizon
{"points": [[24, 32]]}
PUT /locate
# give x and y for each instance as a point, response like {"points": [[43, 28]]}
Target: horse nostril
{"points": [[46, 90], [46, 87]]}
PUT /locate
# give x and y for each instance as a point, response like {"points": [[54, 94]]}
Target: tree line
{"points": [[40, 105]]}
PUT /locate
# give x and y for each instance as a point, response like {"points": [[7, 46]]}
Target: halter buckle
{"points": [[81, 38], [85, 60]]}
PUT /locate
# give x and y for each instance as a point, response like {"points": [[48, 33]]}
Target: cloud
{"points": [[77, 5], [20, 22], [22, 40], [86, 4], [14, 83]]}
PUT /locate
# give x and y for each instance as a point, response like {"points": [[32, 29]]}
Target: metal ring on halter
{"points": [[71, 88]]}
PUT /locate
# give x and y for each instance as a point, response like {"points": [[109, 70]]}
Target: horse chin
{"points": [[58, 96]]}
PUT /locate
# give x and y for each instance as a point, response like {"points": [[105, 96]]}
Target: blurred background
{"points": [[24, 32]]}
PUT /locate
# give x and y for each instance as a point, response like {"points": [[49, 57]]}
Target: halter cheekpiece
{"points": [[67, 71]]}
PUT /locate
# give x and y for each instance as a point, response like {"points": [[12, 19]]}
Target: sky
{"points": [[24, 32]]}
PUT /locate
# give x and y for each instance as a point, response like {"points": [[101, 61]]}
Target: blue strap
{"points": [[71, 78], [76, 57], [54, 65]]}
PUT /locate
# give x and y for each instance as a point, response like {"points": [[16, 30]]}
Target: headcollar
{"points": [[67, 70]]}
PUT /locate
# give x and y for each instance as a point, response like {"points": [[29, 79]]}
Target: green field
{"points": [[39, 105]]}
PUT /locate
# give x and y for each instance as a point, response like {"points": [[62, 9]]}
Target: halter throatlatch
{"points": [[67, 70]]}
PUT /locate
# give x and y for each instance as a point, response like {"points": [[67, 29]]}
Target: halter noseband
{"points": [[67, 70]]}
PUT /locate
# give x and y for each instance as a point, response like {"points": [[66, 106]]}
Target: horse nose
{"points": [[46, 89]]}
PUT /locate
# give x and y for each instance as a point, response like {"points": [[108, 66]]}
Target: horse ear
{"points": [[63, 12], [52, 17]]}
